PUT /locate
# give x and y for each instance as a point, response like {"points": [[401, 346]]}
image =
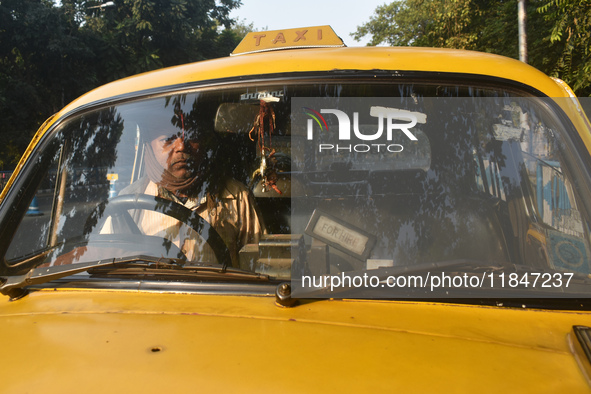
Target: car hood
{"points": [[100, 341]]}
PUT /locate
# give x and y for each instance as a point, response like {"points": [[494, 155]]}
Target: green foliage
{"points": [[141, 35], [559, 31], [439, 23], [241, 28], [40, 63], [51, 54], [571, 33]]}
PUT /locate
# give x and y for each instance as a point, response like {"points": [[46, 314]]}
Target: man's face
{"points": [[180, 155]]}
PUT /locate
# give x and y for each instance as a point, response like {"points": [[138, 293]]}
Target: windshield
{"points": [[330, 185]]}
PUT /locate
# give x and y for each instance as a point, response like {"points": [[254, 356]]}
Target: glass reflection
{"points": [[485, 180]]}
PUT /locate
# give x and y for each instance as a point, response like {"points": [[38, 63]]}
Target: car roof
{"points": [[330, 59]]}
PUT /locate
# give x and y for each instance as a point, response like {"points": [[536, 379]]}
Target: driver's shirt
{"points": [[233, 216]]}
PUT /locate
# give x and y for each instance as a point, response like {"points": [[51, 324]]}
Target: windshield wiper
{"points": [[14, 286]]}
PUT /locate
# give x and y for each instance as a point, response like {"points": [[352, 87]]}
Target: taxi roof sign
{"points": [[304, 37]]}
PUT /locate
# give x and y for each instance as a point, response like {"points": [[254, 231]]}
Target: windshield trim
{"points": [[333, 76], [21, 192], [84, 283]]}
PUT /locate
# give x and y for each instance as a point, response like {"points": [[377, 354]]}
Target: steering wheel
{"points": [[118, 209]]}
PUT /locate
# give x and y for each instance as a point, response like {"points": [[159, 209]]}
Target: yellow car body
{"points": [[139, 341], [102, 336]]}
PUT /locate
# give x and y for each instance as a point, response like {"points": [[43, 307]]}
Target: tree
{"points": [[241, 28], [559, 31], [432, 23], [141, 35], [51, 54], [571, 32], [40, 68]]}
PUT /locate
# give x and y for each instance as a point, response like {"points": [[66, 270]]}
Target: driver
{"points": [[180, 167]]}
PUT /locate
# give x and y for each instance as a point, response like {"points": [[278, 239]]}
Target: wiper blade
{"points": [[203, 271], [14, 286]]}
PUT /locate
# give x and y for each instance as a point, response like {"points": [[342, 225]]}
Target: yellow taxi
{"points": [[304, 217]]}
